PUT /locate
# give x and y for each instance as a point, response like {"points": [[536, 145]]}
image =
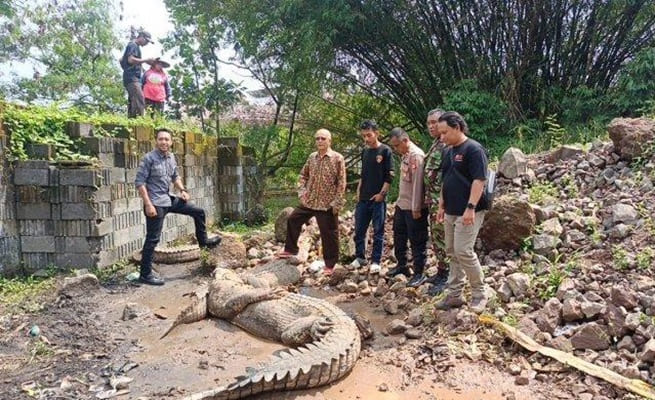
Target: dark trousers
{"points": [[366, 212], [155, 107], [416, 230], [136, 103], [328, 225], [154, 226]]}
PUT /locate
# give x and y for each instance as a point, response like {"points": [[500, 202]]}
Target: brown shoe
{"points": [[449, 302], [479, 303]]}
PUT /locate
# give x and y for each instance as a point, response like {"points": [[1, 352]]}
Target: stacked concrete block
{"points": [[9, 236], [230, 179], [74, 216]]}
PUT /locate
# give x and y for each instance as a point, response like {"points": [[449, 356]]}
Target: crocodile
{"points": [[324, 343]]}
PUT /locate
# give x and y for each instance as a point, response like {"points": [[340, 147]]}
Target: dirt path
{"points": [[89, 341]]}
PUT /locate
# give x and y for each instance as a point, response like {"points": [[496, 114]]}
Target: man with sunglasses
{"points": [[322, 185]]}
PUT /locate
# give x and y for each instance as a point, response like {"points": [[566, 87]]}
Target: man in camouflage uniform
{"points": [[432, 179]]}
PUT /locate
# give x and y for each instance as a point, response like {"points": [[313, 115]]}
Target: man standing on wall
{"points": [[131, 64], [322, 185], [410, 220], [372, 191], [432, 196], [153, 180], [462, 210]]}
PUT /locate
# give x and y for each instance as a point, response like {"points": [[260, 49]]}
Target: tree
{"points": [[415, 52], [70, 44]]}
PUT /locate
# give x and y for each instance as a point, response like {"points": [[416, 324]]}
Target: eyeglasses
{"points": [[320, 138]]}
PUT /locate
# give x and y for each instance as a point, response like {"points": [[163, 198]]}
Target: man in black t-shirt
{"points": [[464, 171], [131, 64], [372, 191]]}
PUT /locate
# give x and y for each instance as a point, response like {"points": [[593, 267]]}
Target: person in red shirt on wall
{"points": [[156, 89]]}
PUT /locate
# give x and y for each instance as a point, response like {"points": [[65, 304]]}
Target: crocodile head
{"points": [[225, 274]]}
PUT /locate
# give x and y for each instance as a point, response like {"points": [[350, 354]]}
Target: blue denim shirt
{"points": [[157, 171]]}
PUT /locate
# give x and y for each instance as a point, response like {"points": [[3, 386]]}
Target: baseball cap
{"points": [[146, 35]]}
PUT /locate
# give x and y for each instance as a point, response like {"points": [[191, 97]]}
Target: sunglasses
{"points": [[320, 138]]}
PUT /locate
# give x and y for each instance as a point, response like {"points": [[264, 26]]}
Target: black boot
{"points": [[397, 270], [439, 282], [211, 242], [417, 280], [151, 279]]}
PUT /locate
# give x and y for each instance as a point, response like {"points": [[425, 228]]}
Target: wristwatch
{"points": [[470, 206]]}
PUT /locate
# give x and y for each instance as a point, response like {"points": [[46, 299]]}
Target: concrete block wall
{"points": [[9, 237], [71, 215]]}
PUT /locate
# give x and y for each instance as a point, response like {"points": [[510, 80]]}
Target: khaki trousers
{"points": [[464, 263]]}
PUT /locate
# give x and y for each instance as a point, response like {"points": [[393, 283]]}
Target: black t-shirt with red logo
{"points": [[376, 169], [470, 160]]}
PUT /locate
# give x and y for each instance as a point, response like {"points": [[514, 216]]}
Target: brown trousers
{"points": [[136, 104], [328, 226]]}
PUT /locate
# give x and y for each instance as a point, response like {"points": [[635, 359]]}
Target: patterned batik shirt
{"points": [[322, 182], [432, 176]]}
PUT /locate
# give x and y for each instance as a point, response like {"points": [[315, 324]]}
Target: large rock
{"points": [[624, 296], [508, 224], [565, 152], [631, 136], [624, 213], [545, 245], [591, 336], [519, 282], [281, 224], [78, 285], [548, 318], [572, 310], [231, 253], [513, 164]]}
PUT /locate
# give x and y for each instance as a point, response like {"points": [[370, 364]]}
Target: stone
{"points": [[281, 224], [231, 253], [561, 343], [632, 321], [565, 152], [507, 224], [614, 317], [624, 213], [528, 326], [350, 287], [413, 333], [626, 344], [519, 282], [390, 306], [591, 336], [548, 318], [623, 296], [545, 244], [133, 311], [592, 309], [513, 163], [78, 285], [396, 327], [565, 288], [631, 136], [572, 310], [648, 354], [415, 317], [552, 227], [253, 253], [504, 292]]}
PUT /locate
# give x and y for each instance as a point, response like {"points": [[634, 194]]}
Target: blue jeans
{"points": [[416, 230], [155, 224], [365, 212]]}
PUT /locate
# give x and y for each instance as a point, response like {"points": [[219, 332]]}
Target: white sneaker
{"points": [[374, 269], [317, 265]]}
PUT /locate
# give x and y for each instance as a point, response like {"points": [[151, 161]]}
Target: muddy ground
{"points": [[85, 342]]}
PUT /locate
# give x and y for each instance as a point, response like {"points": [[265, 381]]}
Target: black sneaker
{"points": [[417, 280], [439, 282], [397, 270], [212, 242], [151, 280]]}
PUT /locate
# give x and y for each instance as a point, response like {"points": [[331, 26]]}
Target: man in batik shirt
{"points": [[432, 179], [322, 185]]}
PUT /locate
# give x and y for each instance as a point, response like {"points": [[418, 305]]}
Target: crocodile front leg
{"points": [[237, 303], [305, 330]]}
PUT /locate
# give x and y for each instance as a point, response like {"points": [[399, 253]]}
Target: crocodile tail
{"points": [[196, 311], [312, 365]]}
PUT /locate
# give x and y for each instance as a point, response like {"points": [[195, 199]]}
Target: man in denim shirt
{"points": [[153, 179]]}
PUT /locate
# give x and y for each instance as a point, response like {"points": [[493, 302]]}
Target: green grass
{"points": [[24, 293]]}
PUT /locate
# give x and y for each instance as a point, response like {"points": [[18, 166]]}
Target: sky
{"points": [[153, 17]]}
